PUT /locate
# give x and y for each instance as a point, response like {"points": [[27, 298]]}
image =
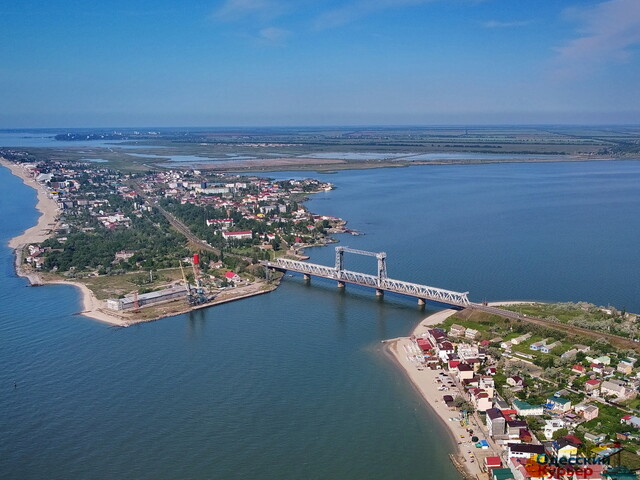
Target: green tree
{"points": [[560, 433]]}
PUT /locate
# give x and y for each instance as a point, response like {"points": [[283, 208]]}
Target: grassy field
{"points": [[392, 146], [111, 286]]}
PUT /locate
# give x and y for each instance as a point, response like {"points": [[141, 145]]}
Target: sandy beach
{"points": [[49, 212], [47, 207], [468, 458], [91, 306]]}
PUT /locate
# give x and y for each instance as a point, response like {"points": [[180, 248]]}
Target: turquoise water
{"points": [[294, 384]]}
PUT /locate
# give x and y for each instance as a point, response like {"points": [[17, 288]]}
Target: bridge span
{"points": [[379, 282]]}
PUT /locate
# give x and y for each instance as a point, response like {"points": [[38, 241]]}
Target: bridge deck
{"points": [[423, 292]]}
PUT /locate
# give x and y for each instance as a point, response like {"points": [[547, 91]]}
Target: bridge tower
{"points": [[382, 265]]}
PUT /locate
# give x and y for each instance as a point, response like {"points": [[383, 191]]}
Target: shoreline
{"points": [[49, 213], [424, 382], [92, 307], [47, 207]]}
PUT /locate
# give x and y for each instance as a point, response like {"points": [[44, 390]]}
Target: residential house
{"points": [[565, 447], [222, 222], [535, 346], [595, 438], [501, 474], [506, 345], [475, 363], [579, 369], [592, 384], [525, 409], [123, 255], [569, 354], [471, 334], [496, 423], [603, 360], [525, 435], [525, 469], [548, 348], [552, 426], [558, 404], [445, 350], [456, 330], [524, 450], [232, 276], [514, 427], [436, 335], [487, 384], [492, 462], [631, 420], [467, 351], [465, 371], [515, 381], [424, 345], [520, 339], [625, 367], [480, 399], [588, 411], [614, 388]]}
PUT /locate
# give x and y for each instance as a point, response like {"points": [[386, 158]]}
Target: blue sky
{"points": [[66, 63]]}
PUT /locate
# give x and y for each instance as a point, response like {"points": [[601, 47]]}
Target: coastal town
{"points": [[526, 403], [522, 401], [110, 233]]}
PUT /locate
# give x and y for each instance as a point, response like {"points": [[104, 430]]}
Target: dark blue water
{"points": [[288, 385], [294, 384], [551, 232]]}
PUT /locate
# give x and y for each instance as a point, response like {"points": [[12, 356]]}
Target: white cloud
{"points": [[607, 32], [273, 35], [234, 9], [499, 24], [360, 8]]}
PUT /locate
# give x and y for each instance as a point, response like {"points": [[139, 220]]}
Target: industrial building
{"points": [[145, 299]]}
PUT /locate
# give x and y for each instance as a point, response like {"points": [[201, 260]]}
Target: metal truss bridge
{"points": [[380, 281]]}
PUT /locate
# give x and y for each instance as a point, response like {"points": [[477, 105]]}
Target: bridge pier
{"points": [[379, 282]]}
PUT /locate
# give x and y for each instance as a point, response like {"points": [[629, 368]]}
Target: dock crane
{"points": [[195, 295]]}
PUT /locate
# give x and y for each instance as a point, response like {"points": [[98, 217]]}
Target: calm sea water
{"points": [[294, 384]]}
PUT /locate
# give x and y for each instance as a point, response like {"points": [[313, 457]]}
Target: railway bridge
{"points": [[380, 282]]}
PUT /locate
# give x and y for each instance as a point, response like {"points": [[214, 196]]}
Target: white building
{"points": [[237, 235], [552, 426]]}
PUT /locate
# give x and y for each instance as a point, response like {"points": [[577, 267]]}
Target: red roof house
{"points": [[492, 462]]}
